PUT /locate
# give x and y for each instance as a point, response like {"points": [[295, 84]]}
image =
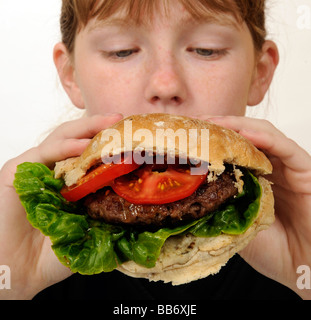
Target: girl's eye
{"points": [[121, 54], [208, 53], [205, 52], [124, 53]]}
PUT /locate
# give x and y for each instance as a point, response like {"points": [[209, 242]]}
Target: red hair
{"points": [[76, 14]]}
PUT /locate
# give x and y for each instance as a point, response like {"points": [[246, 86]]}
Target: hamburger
{"points": [[139, 202]]}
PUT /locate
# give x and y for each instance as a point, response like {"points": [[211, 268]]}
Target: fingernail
{"points": [[248, 131], [83, 141], [215, 119], [112, 114]]}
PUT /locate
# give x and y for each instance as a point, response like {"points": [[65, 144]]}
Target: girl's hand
{"points": [[278, 251], [24, 249]]}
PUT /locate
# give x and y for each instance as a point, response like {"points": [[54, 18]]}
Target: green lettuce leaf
{"points": [[144, 248], [236, 216], [89, 247]]}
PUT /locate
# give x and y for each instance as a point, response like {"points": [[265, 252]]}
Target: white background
{"points": [[32, 101]]}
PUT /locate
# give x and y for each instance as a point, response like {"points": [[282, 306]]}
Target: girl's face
{"points": [[170, 64]]}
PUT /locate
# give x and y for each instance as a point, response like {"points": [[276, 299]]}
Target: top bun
{"points": [[225, 145]]}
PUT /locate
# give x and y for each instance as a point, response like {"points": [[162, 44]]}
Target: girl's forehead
{"points": [[143, 11], [179, 18]]}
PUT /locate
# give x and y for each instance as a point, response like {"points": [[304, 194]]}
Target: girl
{"points": [[202, 58]]}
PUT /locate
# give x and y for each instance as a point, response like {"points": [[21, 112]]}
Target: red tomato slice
{"points": [[96, 179], [149, 186]]}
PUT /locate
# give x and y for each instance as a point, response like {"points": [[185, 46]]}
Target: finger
{"points": [[238, 123], [268, 138], [70, 148], [71, 138], [202, 117], [87, 127], [287, 150], [56, 150]]}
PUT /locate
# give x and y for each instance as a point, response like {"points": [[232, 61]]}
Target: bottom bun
{"points": [[188, 258]]}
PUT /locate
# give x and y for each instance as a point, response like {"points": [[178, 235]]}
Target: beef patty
{"points": [[106, 205]]}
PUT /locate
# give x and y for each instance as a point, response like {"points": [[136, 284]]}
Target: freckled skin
{"points": [[165, 73]]}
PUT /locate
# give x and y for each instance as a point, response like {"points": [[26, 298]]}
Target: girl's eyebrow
{"points": [[115, 22], [123, 22]]}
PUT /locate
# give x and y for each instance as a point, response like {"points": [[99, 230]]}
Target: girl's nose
{"points": [[166, 85]]}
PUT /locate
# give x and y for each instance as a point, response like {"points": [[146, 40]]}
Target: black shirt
{"points": [[237, 280]]}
